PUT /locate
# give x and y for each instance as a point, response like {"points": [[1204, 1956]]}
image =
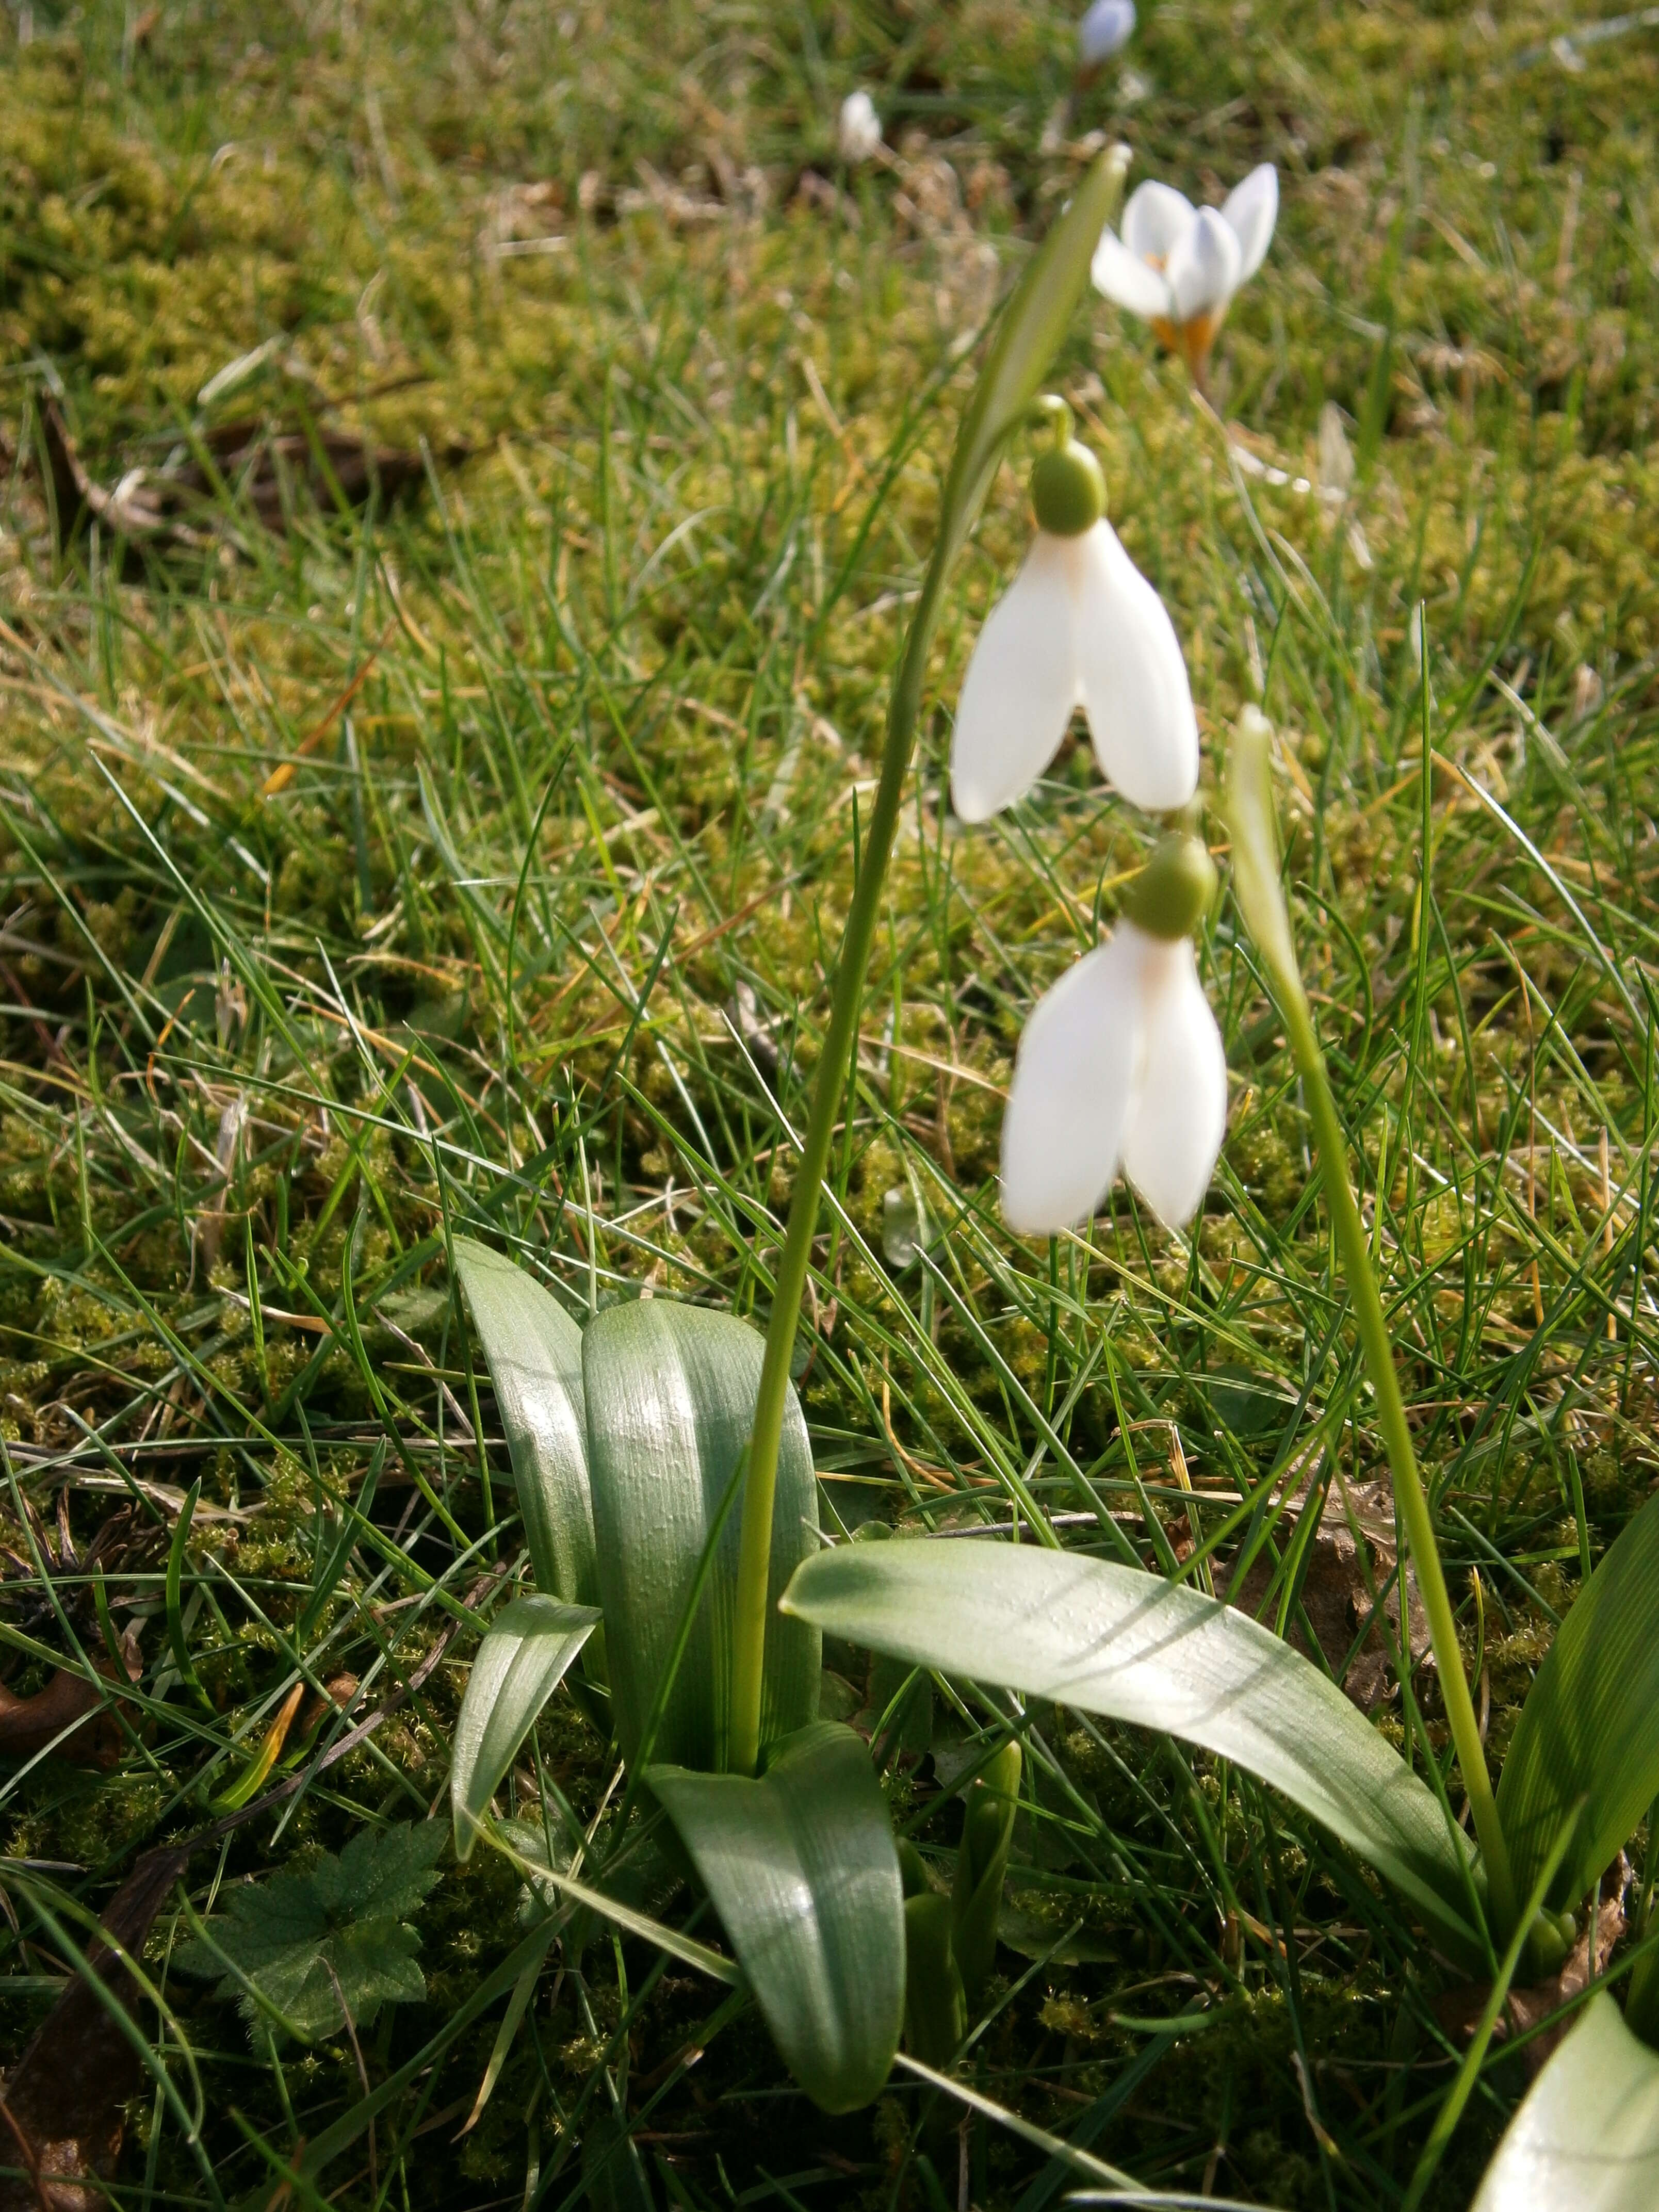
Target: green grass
{"points": [[534, 945]]}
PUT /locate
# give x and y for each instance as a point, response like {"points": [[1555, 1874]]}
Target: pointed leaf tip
{"points": [[804, 1872], [1111, 1640], [524, 1656], [534, 1352]]}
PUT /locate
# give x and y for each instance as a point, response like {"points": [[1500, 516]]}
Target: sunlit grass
{"points": [[533, 943]]}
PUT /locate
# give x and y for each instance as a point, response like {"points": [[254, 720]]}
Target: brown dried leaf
{"points": [[1459, 2008], [68, 1701], [1338, 1594], [64, 2102]]}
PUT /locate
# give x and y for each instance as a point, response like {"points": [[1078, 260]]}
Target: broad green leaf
{"points": [[534, 1350], [1034, 324], [1587, 2138], [1589, 1727], [521, 1662], [329, 1942], [804, 1875], [671, 1395], [1110, 1640]]}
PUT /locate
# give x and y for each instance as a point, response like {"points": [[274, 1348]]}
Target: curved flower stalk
{"points": [[1079, 626], [1121, 1064], [1256, 886], [1178, 266]]}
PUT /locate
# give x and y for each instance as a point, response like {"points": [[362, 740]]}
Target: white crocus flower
{"points": [[1178, 266], [1121, 1064], [1079, 626], [858, 129]]}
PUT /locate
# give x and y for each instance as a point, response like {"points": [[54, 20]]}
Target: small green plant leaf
{"points": [[521, 1662], [1110, 1640], [803, 1870], [315, 1947], [988, 1832], [671, 1395], [935, 2002], [613, 2169], [1588, 2135], [534, 1351], [1589, 1727]]}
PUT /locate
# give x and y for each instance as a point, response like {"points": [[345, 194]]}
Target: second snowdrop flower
{"points": [[1121, 1064], [1178, 266], [1079, 627]]}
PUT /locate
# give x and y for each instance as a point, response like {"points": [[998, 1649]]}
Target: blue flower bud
{"points": [[1104, 31]]}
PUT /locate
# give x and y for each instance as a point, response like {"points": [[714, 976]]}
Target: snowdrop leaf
{"points": [[1587, 2134], [1034, 324], [1589, 1727], [1113, 1641], [988, 1833], [534, 1351], [803, 1870], [671, 1393], [521, 1662]]}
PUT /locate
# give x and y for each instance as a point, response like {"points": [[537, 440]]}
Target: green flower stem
{"points": [[1255, 865], [1032, 328], [755, 1556]]}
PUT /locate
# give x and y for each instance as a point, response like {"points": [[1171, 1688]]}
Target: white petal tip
{"points": [[968, 805]]}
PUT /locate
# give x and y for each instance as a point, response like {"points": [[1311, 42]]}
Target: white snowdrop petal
{"points": [[1133, 679], [1020, 687], [1157, 218], [1063, 1128], [1251, 211], [1130, 282], [1177, 1115], [1203, 267]]}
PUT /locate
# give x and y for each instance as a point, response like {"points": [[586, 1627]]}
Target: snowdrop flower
{"points": [[1178, 266], [1121, 1064], [858, 131], [1104, 31], [1079, 626]]}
